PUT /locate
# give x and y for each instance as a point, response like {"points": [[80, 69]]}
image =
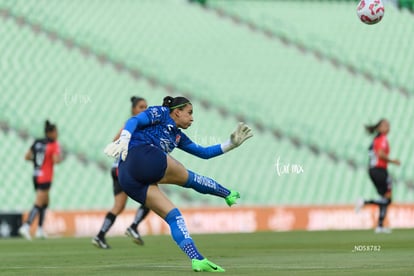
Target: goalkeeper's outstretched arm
{"points": [[241, 134]]}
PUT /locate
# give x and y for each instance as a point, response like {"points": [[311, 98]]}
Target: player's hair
{"points": [[49, 127], [371, 129], [136, 100], [177, 102]]}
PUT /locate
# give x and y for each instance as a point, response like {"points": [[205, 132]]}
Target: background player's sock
{"points": [[35, 210], [205, 185], [141, 213], [382, 213], [380, 201], [109, 220], [180, 234], [373, 201], [42, 213], [383, 206]]}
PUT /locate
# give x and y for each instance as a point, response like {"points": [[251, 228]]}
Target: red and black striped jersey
{"points": [[43, 151]]}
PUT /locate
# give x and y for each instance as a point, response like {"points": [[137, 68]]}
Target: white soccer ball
{"points": [[370, 11]]}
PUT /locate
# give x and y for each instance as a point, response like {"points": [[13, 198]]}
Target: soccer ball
{"points": [[370, 11]]}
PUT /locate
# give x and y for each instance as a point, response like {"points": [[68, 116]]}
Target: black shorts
{"points": [[381, 180], [116, 187], [41, 186]]}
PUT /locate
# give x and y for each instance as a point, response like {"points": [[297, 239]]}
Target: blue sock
{"points": [[180, 234], [205, 185]]}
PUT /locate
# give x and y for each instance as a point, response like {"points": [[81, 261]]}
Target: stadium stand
{"points": [[406, 4], [78, 62], [348, 44]]}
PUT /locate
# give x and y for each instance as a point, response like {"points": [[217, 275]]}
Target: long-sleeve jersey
{"points": [[154, 126]]}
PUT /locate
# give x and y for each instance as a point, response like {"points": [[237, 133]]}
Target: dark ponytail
{"points": [[167, 101], [173, 103], [49, 127], [371, 129], [136, 100]]}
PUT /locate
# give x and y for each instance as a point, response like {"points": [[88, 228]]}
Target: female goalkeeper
{"points": [[144, 147]]}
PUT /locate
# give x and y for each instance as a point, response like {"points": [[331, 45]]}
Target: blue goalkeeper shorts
{"points": [[144, 165]]}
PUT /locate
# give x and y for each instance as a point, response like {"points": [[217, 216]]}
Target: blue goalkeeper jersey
{"points": [[154, 126]]}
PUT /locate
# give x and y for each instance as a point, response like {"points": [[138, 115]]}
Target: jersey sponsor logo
{"points": [[38, 172], [165, 145], [39, 153], [39, 158], [380, 142], [373, 160], [39, 146], [154, 113]]}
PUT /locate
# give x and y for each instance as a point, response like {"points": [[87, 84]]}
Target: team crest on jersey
{"points": [[177, 139]]}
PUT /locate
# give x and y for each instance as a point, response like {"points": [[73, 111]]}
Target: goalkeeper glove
{"points": [[119, 148], [241, 134]]}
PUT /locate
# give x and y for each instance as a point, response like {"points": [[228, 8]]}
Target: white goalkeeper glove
{"points": [[119, 148], [241, 134]]}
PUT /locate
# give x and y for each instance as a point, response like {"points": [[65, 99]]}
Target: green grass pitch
{"points": [[284, 253]]}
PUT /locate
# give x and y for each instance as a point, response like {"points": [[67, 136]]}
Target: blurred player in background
{"points": [[44, 153], [144, 146], [378, 161], [138, 105]]}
